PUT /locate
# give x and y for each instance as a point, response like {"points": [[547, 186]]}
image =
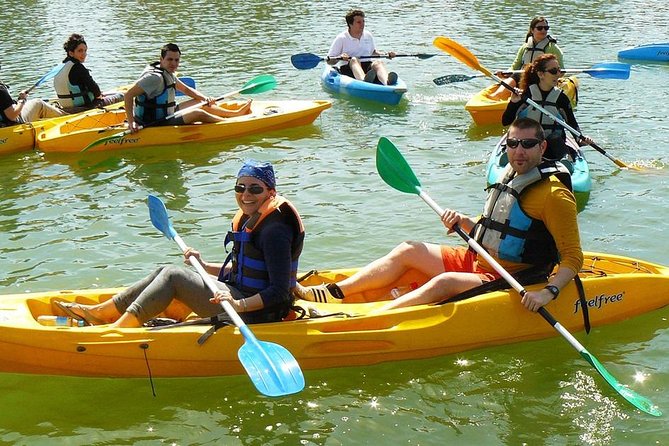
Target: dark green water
{"points": [[81, 221]]}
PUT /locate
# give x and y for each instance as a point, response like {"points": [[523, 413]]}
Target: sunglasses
{"points": [[527, 143], [542, 28], [554, 71], [254, 189]]}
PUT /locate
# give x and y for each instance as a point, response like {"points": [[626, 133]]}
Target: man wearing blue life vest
{"points": [[257, 278], [528, 223], [349, 48], [152, 99]]}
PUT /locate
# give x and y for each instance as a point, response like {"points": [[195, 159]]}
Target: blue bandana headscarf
{"points": [[260, 170]]}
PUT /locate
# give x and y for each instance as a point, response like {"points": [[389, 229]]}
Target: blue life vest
{"points": [[506, 231], [249, 271], [148, 110]]}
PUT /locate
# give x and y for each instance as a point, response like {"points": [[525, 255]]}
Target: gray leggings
{"points": [[151, 295]]}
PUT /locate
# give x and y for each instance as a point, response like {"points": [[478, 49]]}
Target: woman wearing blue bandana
{"points": [[257, 277]]}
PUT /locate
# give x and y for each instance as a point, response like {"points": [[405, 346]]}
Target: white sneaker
{"points": [[319, 293]]}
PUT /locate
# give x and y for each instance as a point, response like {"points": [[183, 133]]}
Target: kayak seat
{"points": [[568, 164], [504, 159]]}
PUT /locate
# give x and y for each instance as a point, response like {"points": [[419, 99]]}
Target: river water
{"points": [[80, 221]]}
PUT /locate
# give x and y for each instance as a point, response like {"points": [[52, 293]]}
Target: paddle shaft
{"points": [[382, 56], [210, 284]]}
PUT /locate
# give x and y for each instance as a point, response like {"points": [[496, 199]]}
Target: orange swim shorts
{"points": [[463, 260]]}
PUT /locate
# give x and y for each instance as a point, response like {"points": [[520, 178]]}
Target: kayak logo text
{"points": [[3, 140], [122, 141], [599, 301]]}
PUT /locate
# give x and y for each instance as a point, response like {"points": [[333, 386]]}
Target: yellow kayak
{"points": [[265, 116], [22, 137], [616, 288], [486, 110]]}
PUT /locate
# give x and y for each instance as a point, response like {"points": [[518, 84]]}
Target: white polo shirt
{"points": [[345, 43]]}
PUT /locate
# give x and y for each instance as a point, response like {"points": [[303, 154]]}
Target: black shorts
{"points": [[346, 69]]}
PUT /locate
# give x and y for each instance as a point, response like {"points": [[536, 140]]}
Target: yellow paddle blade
{"points": [[461, 53]]}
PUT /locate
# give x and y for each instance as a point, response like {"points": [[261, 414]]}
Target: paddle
{"points": [[272, 369], [397, 173], [188, 81], [258, 84], [465, 56], [605, 70], [50, 75], [305, 61]]}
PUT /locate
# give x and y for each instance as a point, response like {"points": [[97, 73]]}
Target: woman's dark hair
{"points": [[73, 42], [530, 75]]}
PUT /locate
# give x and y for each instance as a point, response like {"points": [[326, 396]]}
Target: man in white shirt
{"points": [[351, 47]]}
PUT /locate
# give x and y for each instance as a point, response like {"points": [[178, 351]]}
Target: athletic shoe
{"points": [[392, 78], [370, 76], [319, 293]]}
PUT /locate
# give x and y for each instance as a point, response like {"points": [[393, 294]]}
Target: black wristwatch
{"points": [[555, 291]]}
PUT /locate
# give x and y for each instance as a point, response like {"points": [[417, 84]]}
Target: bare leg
{"points": [[440, 287], [381, 71], [356, 68], [225, 112], [424, 257]]}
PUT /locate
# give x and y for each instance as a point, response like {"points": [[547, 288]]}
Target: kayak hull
{"points": [[265, 116], [486, 110], [654, 52], [575, 161], [18, 138], [334, 82], [616, 288], [22, 137]]}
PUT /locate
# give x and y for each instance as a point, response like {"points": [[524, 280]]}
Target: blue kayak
{"points": [[574, 161], [335, 82], [654, 52]]}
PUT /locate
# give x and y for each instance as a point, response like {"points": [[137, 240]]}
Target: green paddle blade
{"points": [[640, 402], [394, 169], [259, 84]]}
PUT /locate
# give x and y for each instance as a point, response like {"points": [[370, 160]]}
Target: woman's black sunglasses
{"points": [[254, 189], [554, 71], [542, 28]]}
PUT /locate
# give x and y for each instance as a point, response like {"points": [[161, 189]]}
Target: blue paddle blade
{"points": [[609, 70], [304, 61], [272, 369], [51, 74], [159, 217], [187, 81]]}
